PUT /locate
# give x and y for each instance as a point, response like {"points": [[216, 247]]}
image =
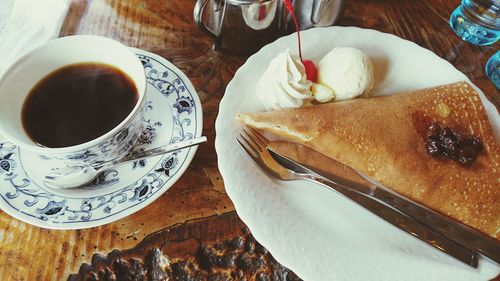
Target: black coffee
{"points": [[77, 103]]}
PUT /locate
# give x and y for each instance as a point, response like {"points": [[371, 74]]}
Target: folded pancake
{"points": [[383, 138]]}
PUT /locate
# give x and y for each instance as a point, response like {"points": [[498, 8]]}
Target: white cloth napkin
{"points": [[26, 24]]}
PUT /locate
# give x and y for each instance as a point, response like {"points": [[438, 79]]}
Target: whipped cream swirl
{"points": [[284, 84]]}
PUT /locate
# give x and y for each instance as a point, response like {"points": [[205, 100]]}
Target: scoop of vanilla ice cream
{"points": [[284, 84], [347, 71]]}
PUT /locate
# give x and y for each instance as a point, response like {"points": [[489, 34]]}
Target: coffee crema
{"points": [[78, 103]]}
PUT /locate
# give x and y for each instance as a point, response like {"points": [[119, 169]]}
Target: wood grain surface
{"points": [[166, 27]]}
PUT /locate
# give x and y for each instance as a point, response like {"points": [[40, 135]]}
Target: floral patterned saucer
{"points": [[173, 113]]}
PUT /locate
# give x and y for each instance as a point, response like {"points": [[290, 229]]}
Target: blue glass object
{"points": [[493, 69], [477, 21]]}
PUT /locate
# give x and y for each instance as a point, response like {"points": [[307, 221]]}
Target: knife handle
{"points": [[404, 222], [459, 232]]}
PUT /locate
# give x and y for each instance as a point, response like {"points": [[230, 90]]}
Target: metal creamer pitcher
{"points": [[244, 26]]}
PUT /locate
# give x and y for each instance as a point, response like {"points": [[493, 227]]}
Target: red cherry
{"points": [[311, 70], [262, 12]]}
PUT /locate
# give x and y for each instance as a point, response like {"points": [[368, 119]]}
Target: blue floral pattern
{"points": [[118, 192], [168, 164], [7, 165]]}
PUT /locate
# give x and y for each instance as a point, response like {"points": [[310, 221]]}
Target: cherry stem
{"points": [[290, 9]]}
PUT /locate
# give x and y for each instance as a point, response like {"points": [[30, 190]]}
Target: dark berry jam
{"points": [[446, 142]]}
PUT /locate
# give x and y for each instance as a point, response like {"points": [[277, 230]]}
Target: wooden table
{"points": [[166, 27]]}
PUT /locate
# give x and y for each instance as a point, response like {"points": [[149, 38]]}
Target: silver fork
{"points": [[255, 145]]}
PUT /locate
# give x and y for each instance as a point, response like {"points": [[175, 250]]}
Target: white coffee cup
{"points": [[25, 73]]}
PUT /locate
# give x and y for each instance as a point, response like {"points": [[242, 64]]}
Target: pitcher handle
{"points": [[199, 9], [318, 10]]}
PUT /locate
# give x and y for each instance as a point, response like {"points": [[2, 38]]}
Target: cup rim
{"points": [[90, 143]]}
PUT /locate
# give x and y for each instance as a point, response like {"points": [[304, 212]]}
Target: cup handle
{"points": [[199, 10]]}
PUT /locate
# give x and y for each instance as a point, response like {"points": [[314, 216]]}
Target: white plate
{"points": [[317, 233], [173, 113]]}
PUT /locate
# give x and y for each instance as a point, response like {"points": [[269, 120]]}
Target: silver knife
{"points": [[462, 234], [363, 195]]}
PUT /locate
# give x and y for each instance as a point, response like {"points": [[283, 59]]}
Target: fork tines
{"points": [[252, 141]]}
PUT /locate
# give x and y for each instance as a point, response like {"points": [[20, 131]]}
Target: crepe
{"points": [[382, 137]]}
